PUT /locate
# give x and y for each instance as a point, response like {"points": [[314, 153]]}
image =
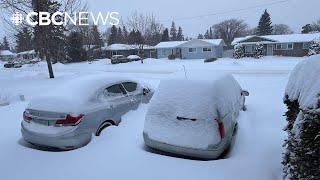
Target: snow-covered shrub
{"points": [[259, 50], [238, 51], [302, 156], [314, 48]]}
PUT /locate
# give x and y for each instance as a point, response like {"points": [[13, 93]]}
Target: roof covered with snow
{"points": [[304, 83], [215, 42], [27, 52], [121, 47], [169, 44], [287, 38], [6, 53]]}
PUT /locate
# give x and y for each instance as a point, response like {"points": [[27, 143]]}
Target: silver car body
{"points": [[197, 121], [100, 111]]}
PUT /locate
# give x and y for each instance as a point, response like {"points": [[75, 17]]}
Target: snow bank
{"points": [[75, 96], [194, 98], [8, 97], [304, 83]]}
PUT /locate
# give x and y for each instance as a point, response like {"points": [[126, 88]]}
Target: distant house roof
{"points": [[287, 38], [27, 52], [119, 47], [169, 44], [175, 44], [6, 53]]}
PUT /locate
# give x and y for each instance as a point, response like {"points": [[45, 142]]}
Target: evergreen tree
{"points": [[173, 32], [125, 35], [120, 38], [200, 36], [5, 44], [314, 48], [306, 29], [24, 40], [113, 35], [259, 51], [75, 51], [96, 37], [207, 35], [210, 33], [238, 51], [132, 37], [180, 34], [165, 35], [265, 24]]}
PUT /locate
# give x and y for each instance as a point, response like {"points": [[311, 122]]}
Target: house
{"points": [[126, 50], [27, 55], [6, 55], [193, 49], [296, 45]]}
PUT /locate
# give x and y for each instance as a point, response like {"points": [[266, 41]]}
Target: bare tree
{"points": [[230, 29], [281, 29], [316, 26]]}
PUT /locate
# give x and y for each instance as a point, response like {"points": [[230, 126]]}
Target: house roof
{"points": [[169, 44], [287, 38], [27, 52], [6, 53], [119, 47], [174, 44]]}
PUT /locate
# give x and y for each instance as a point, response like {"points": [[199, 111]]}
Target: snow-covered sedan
{"points": [[67, 117], [195, 118]]}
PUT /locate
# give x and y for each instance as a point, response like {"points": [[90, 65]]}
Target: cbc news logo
{"points": [[63, 18]]}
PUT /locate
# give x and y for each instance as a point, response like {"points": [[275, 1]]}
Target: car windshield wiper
{"points": [[184, 118]]}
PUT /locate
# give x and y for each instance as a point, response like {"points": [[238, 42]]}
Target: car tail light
{"points": [[26, 116], [221, 128], [70, 120]]}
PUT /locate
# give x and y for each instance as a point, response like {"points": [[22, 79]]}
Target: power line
{"points": [[227, 12]]}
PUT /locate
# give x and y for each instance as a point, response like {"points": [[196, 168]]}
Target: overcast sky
{"points": [[294, 13]]}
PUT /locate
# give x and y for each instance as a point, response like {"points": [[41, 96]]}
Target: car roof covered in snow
{"points": [[197, 98], [304, 83], [287, 38], [72, 96]]}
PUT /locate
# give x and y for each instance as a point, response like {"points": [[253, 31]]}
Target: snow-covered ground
{"points": [[119, 153]]}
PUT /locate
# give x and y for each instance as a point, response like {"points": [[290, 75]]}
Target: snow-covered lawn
{"points": [[120, 154]]}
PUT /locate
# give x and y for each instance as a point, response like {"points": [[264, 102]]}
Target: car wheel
{"points": [[103, 126]]}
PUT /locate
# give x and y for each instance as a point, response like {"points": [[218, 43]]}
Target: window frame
{"points": [[192, 51], [136, 88], [207, 48], [122, 94]]}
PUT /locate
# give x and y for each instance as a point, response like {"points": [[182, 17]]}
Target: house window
{"points": [[206, 49], [306, 45], [192, 50], [284, 46], [249, 49], [167, 52]]}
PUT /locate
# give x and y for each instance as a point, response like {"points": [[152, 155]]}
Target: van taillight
{"points": [[221, 128], [26, 116], [70, 120]]}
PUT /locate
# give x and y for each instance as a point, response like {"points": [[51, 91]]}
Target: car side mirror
{"points": [[145, 91], [245, 93]]}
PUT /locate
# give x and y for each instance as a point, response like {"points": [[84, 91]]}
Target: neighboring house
{"points": [[296, 45], [6, 55], [27, 55], [127, 50], [193, 49]]}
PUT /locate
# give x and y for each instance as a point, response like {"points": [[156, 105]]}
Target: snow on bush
{"points": [[196, 99], [259, 50], [238, 51], [302, 156], [314, 48]]}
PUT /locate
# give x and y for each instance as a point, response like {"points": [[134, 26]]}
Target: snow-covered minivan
{"points": [[194, 118]]}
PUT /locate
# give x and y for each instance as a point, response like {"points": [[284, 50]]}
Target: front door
{"points": [[269, 50]]}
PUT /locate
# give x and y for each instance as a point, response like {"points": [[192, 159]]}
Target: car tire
{"points": [[103, 126]]}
